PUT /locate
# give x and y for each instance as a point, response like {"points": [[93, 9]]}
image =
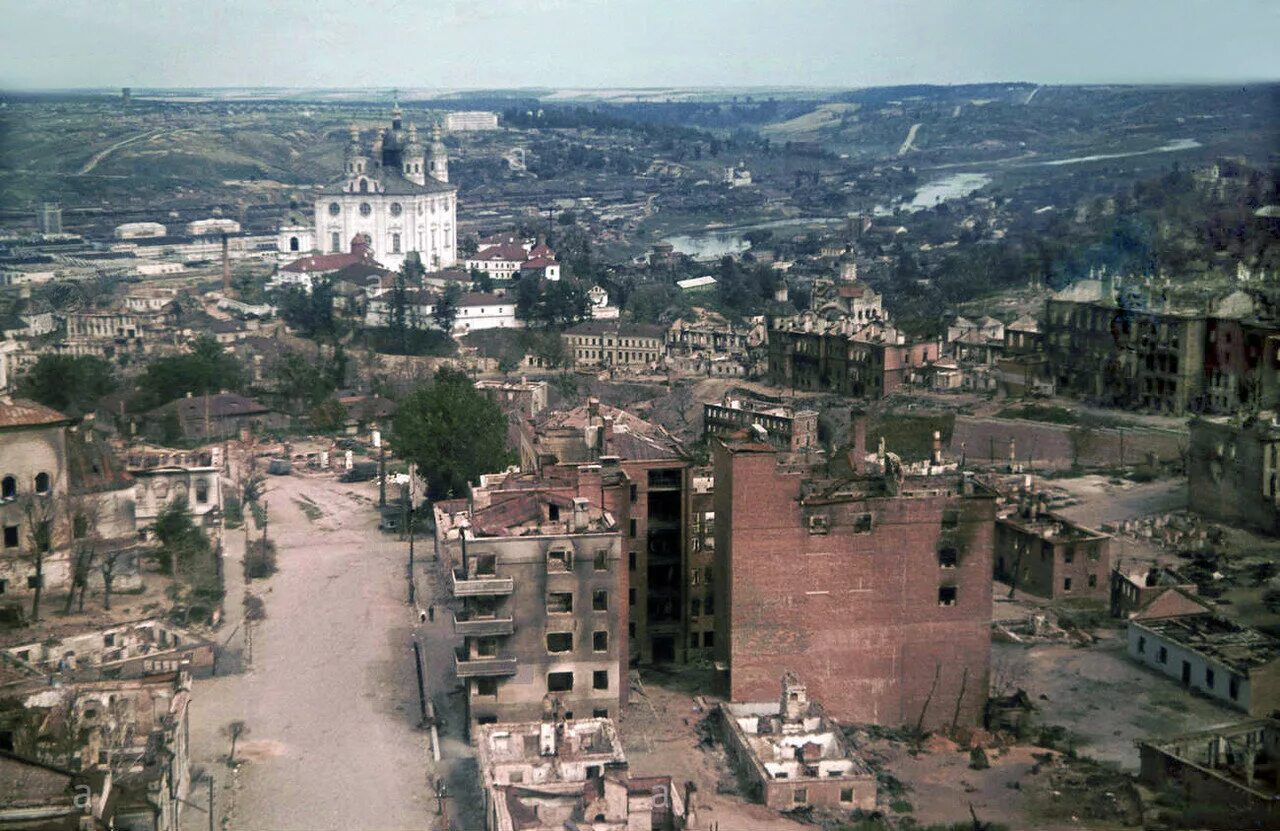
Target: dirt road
{"points": [[329, 698]]}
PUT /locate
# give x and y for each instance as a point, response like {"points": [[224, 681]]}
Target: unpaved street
{"points": [[330, 697]]}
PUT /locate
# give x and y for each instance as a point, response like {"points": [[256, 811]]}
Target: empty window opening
{"points": [[600, 600], [600, 641], [559, 603], [559, 641], [559, 681], [559, 561], [42, 483], [950, 519], [9, 488], [601, 562], [948, 557], [600, 679], [946, 595], [862, 524], [486, 565]]}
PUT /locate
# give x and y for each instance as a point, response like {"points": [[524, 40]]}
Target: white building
{"points": [[473, 120], [397, 195], [478, 311], [213, 225], [140, 230]]}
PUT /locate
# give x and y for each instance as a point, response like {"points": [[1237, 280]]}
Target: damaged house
{"points": [[793, 755], [561, 775]]}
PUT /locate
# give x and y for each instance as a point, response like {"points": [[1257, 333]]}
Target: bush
{"points": [[259, 560]]}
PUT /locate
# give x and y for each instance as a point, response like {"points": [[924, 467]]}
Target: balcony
{"points": [[483, 625], [484, 667], [477, 586]]}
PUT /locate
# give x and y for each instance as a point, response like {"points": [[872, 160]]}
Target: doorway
{"points": [[1186, 673], [664, 649]]}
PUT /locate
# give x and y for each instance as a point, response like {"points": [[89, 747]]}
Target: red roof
{"points": [[506, 251], [539, 262], [332, 262], [19, 412], [541, 250], [481, 299]]}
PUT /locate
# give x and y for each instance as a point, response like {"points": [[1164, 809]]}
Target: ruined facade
{"points": [[33, 492], [1227, 777], [539, 588], [552, 774], [1233, 470], [793, 756], [876, 590], [664, 574], [784, 427], [1051, 556]]}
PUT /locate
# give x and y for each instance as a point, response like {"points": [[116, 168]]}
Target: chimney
{"points": [[593, 407], [937, 447], [581, 514], [858, 440]]}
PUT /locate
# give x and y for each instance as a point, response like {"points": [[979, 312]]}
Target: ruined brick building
{"points": [[876, 589]]}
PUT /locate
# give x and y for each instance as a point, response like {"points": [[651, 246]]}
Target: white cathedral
{"points": [[395, 193]]}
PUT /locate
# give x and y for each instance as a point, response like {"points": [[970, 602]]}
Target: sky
{"points": [[452, 44]]}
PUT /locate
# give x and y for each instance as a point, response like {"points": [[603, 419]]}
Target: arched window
{"points": [[364, 185], [9, 488], [42, 483], [293, 243]]}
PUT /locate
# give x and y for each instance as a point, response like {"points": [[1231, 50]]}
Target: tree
{"points": [[40, 516], [107, 564], [451, 432], [445, 311], [234, 730], [181, 541], [71, 384], [481, 281], [310, 312], [207, 368], [83, 514]]}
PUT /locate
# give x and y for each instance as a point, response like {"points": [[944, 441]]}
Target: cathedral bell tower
{"points": [[414, 159], [439, 156], [356, 161]]}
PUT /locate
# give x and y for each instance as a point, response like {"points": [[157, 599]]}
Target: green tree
{"points": [[181, 542], [445, 310], [67, 383], [481, 281], [310, 312], [452, 433], [206, 368]]}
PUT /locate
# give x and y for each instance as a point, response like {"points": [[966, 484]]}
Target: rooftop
{"points": [[1218, 639], [20, 413]]}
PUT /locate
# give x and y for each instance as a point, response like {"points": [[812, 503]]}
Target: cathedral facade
{"points": [[395, 193]]}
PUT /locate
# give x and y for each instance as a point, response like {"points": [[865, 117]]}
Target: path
{"points": [[329, 698], [102, 154], [910, 140]]}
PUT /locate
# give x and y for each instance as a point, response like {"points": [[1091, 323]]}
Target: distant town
{"points": [[900, 458]]}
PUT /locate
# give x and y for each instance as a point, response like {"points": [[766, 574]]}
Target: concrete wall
{"points": [[1047, 445]]}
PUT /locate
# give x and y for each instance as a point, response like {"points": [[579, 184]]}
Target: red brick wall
{"points": [[855, 616]]}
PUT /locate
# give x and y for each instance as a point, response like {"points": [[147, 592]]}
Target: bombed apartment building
{"points": [[793, 756], [539, 591], [126, 650], [1226, 778], [1235, 665], [662, 571], [523, 398], [554, 774], [875, 589], [1233, 470], [1044, 554], [786, 428], [126, 739]]}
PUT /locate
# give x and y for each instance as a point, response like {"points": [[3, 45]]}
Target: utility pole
{"points": [[412, 587], [209, 779], [382, 468]]}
